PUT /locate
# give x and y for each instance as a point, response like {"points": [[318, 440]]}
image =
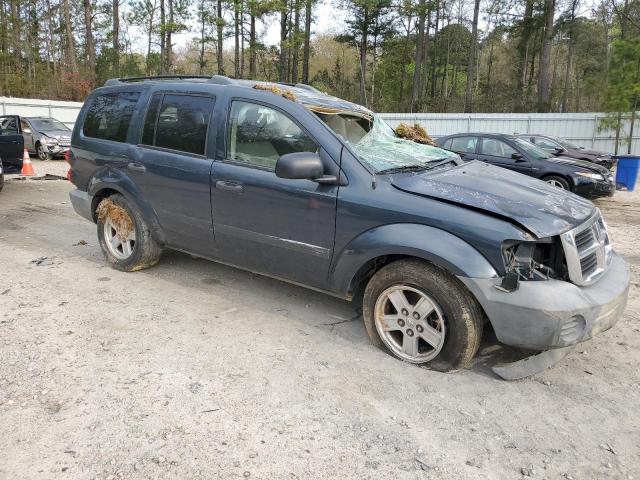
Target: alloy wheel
{"points": [[120, 244], [410, 323]]}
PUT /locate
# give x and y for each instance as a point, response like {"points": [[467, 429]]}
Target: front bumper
{"points": [[81, 202], [541, 315], [55, 149]]}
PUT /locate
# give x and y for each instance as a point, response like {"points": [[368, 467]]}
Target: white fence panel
{"points": [[66, 112], [580, 128]]}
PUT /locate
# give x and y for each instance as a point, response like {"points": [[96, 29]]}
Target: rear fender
{"points": [[112, 179], [406, 239]]}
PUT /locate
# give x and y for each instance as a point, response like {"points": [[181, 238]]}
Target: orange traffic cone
{"points": [[27, 166]]}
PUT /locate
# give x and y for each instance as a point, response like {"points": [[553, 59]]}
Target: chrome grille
{"points": [[587, 249]]}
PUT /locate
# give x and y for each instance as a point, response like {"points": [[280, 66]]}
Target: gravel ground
{"points": [[196, 370]]}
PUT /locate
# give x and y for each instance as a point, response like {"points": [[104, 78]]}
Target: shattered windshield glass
{"points": [[377, 144]]}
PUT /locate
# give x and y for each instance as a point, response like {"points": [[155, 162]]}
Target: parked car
{"points": [[11, 144], [46, 137], [561, 147], [1, 176], [291, 183], [583, 178]]}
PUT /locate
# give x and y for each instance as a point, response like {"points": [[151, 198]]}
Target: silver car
{"points": [[46, 137]]}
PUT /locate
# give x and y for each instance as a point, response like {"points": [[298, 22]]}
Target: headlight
{"points": [[531, 261], [50, 140], [592, 176]]}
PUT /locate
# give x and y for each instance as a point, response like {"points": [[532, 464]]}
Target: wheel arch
{"points": [[375, 248], [568, 178], [109, 183]]}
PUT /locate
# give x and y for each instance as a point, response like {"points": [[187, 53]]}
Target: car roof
{"points": [[303, 93], [482, 134]]}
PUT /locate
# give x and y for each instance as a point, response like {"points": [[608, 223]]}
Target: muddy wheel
{"points": [[124, 236], [422, 314]]}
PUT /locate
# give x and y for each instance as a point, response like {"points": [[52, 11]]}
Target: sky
{"points": [[327, 20]]}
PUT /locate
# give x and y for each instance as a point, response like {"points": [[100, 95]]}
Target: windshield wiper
{"points": [[403, 168], [440, 163]]}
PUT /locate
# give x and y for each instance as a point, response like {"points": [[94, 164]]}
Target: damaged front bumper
{"points": [[543, 315]]}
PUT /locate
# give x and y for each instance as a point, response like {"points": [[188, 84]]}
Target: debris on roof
{"points": [[416, 134], [288, 94]]}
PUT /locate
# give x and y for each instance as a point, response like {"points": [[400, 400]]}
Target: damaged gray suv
{"points": [[295, 184]]}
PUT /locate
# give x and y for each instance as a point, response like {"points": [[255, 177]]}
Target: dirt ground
{"points": [[196, 370]]}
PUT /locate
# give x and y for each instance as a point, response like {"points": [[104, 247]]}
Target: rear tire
{"points": [[442, 325], [558, 182], [125, 237]]}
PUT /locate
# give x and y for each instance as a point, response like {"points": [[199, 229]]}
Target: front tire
{"points": [[558, 182], [124, 235], [42, 154], [422, 314]]}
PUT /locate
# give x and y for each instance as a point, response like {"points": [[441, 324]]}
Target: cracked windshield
{"points": [[377, 144]]}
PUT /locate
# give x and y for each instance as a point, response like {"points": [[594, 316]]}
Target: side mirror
{"points": [[303, 166], [558, 150], [516, 156]]}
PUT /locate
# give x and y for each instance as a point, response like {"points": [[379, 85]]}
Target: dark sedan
{"points": [[583, 178], [561, 147]]}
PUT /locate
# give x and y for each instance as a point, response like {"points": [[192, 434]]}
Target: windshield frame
{"points": [[531, 150]]}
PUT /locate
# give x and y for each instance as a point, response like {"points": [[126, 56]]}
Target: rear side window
{"points": [[178, 122], [464, 144], [109, 116]]}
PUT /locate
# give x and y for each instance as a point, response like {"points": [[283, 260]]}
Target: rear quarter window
{"points": [[109, 116]]}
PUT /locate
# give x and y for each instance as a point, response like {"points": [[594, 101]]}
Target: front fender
{"points": [[112, 179], [421, 241]]}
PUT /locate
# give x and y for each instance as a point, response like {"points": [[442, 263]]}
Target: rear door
{"points": [[11, 143], [499, 152], [171, 168], [27, 134]]}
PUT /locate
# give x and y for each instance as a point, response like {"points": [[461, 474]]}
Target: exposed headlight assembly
{"points": [[531, 261], [49, 140], [592, 176]]}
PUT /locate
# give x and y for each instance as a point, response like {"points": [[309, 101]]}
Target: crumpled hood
{"points": [[579, 163], [540, 208], [56, 133]]}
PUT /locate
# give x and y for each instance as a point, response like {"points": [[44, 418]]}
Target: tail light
{"points": [[67, 156]]}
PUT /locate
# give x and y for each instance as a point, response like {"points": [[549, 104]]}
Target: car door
{"points": [[171, 169], [498, 152], [465, 146], [27, 135], [11, 143], [277, 226]]}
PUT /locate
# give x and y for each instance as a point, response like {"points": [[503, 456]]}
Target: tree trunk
{"points": [[116, 37], [544, 80], [468, 99], [89, 41], [433, 57], [163, 38], [363, 57], [252, 46], [150, 38], [283, 44], [169, 44], [219, 46], [523, 54], [201, 61], [306, 53], [236, 35], [567, 73], [296, 41], [417, 71]]}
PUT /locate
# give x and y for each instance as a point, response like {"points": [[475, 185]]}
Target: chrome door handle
{"points": [[136, 167], [230, 186]]}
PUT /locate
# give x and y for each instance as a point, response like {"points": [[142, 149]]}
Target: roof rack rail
{"points": [[218, 79]]}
